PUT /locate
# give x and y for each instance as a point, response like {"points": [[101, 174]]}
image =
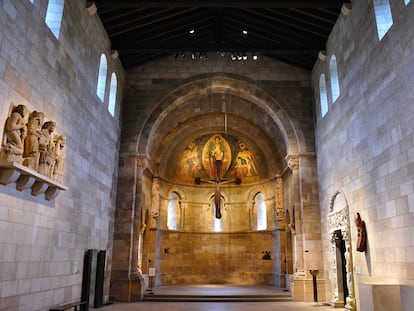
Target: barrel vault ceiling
{"points": [[291, 31]]}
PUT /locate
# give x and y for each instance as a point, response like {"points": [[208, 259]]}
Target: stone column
{"points": [[279, 212], [138, 226], [298, 265], [307, 225], [126, 280]]}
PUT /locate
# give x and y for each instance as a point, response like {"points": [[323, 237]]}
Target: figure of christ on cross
{"points": [[218, 182]]}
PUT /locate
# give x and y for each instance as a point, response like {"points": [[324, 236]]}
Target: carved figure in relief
{"points": [[279, 206], [31, 143], [47, 149], [60, 151], [155, 203], [15, 131]]}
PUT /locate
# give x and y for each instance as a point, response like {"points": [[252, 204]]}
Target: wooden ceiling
{"points": [[291, 31]]}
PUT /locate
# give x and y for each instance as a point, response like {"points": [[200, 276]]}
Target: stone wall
{"points": [[365, 142], [153, 88], [43, 242], [211, 258]]}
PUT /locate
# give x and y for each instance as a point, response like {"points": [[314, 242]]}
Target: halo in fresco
{"points": [[198, 158]]}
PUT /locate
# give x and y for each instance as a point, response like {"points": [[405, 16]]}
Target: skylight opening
{"points": [[100, 90], [323, 95], [383, 17], [54, 15]]}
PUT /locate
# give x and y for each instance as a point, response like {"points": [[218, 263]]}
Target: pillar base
{"points": [[128, 290], [302, 289]]}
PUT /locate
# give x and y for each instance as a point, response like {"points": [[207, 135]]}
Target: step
{"points": [[216, 298]]}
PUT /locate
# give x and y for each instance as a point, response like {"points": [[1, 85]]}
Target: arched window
{"points": [[217, 222], [333, 73], [406, 2], [100, 90], [54, 15], [383, 16], [174, 212], [323, 95], [261, 218], [112, 94]]}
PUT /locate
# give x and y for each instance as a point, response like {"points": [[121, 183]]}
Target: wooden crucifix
{"points": [[218, 182]]}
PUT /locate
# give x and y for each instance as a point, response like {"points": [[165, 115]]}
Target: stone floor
{"points": [[282, 301]]}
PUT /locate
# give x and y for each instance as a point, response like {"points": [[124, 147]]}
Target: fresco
{"points": [[197, 160]]}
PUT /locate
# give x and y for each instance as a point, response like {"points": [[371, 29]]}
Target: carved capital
{"points": [[292, 161], [143, 161]]}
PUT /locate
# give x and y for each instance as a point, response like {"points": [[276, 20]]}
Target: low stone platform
{"points": [[217, 293]]}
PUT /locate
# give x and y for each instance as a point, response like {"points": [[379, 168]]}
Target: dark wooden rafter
{"points": [[292, 31], [221, 3], [267, 26], [177, 29]]}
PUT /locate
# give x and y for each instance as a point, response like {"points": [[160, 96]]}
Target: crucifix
{"points": [[218, 182]]}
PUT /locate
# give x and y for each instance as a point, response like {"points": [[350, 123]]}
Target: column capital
{"points": [[292, 161], [143, 161]]}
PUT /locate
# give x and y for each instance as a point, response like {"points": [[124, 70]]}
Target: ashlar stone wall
{"points": [[365, 143], [42, 243], [145, 92]]}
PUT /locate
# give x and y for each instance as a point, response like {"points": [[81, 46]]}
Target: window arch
{"points": [[217, 222], [261, 212], [54, 15], [112, 94], [174, 211], [406, 1], [333, 74], [100, 90], [323, 95], [383, 16]]}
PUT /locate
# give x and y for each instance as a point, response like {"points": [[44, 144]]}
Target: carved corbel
{"points": [[143, 161], [292, 161]]}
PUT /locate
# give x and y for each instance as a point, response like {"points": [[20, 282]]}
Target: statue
{"points": [[47, 149], [60, 150], [362, 233], [31, 143], [155, 203], [15, 131]]}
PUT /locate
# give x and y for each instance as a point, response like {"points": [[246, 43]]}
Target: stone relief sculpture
{"points": [[60, 151], [279, 206], [155, 203], [31, 142], [47, 149], [15, 131]]}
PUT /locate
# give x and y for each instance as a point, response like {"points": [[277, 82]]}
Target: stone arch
{"points": [[341, 252], [282, 117]]}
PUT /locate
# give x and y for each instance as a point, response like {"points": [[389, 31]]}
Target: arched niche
{"points": [[341, 253]]}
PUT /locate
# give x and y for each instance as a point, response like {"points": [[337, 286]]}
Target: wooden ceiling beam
{"points": [[221, 3], [142, 49]]}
